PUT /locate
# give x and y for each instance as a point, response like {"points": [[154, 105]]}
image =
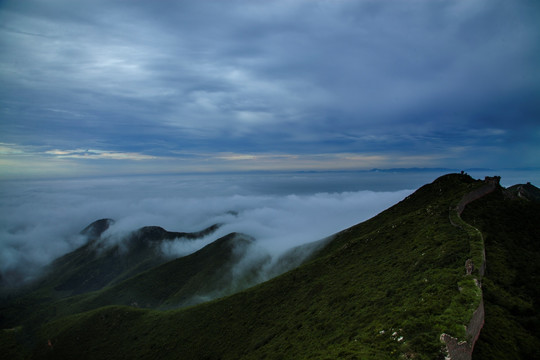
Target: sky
{"points": [[94, 88]]}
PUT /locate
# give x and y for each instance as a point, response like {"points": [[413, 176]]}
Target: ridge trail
{"points": [[475, 268]]}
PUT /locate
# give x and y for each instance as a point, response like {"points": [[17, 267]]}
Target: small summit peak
{"points": [[525, 191], [98, 227]]}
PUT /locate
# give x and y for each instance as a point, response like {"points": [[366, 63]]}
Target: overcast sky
{"points": [[132, 87]]}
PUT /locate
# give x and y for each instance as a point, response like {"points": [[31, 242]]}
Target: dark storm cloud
{"points": [[282, 77]]}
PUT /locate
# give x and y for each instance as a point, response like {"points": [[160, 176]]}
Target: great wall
{"points": [[474, 267]]}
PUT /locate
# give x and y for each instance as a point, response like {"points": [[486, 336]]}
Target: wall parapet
{"points": [[456, 349]]}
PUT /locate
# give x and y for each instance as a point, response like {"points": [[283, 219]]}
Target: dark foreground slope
{"points": [[99, 263], [511, 285], [384, 289]]}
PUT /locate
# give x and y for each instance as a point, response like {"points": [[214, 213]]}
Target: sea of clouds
{"points": [[41, 220]]}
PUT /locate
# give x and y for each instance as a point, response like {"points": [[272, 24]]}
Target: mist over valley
{"points": [[42, 220]]}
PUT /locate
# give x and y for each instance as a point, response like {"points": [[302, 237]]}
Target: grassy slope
{"points": [[221, 268], [90, 268], [511, 284], [180, 282], [97, 264], [176, 283], [386, 288]]}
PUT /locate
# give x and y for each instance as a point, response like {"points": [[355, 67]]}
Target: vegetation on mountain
{"points": [[384, 289], [101, 262], [525, 191], [97, 264], [511, 285], [184, 281]]}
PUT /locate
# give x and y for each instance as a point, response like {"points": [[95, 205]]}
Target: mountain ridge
{"points": [[102, 262], [386, 288]]}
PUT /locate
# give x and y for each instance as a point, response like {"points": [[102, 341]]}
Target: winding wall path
{"points": [[475, 268]]}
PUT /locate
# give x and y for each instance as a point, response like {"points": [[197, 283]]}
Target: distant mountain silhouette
{"points": [[525, 191]]}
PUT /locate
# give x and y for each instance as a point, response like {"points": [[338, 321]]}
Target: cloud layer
{"points": [[41, 220], [181, 84]]}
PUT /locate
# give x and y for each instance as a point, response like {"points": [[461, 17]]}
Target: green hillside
{"points": [[180, 282], [99, 263], [387, 288], [95, 265], [511, 228]]}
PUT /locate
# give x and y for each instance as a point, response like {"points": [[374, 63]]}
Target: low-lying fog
{"points": [[41, 220]]}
